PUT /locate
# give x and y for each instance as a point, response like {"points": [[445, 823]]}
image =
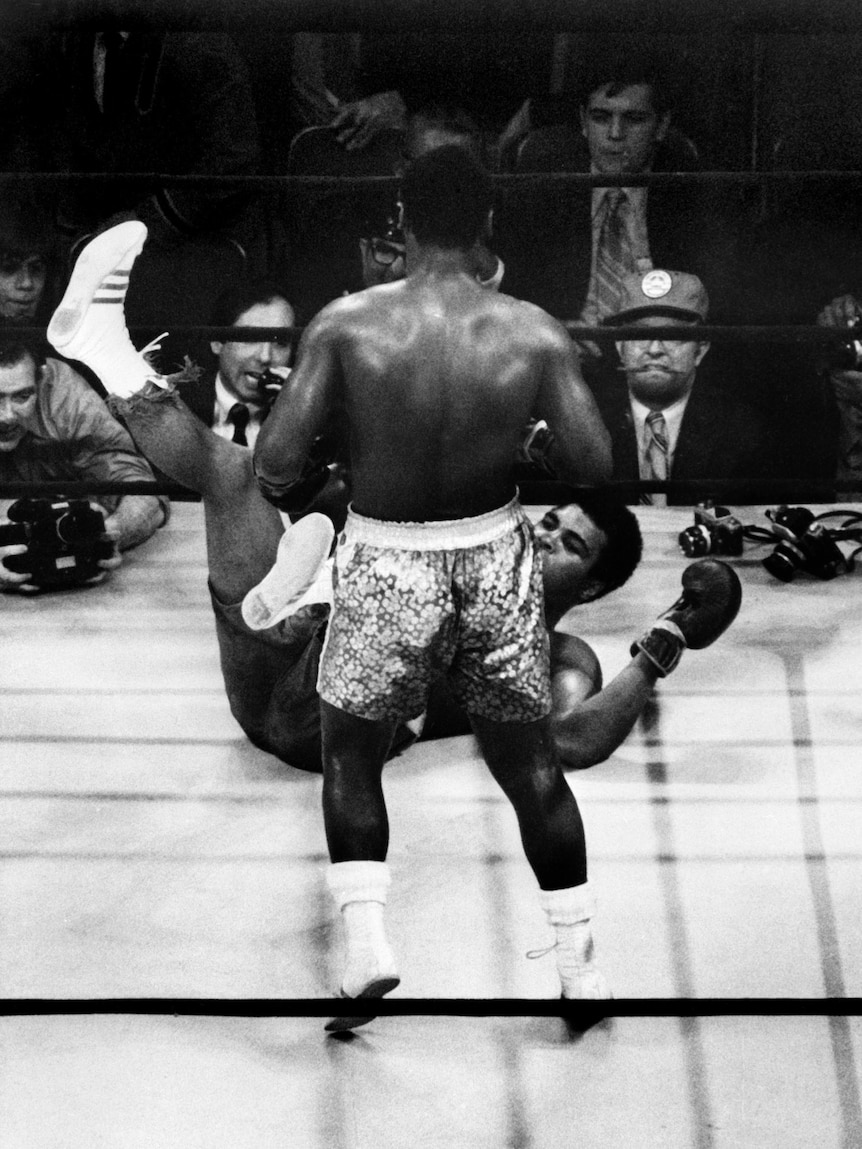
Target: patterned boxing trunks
{"points": [[414, 601]]}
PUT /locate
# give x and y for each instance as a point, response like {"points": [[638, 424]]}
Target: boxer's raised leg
{"points": [[242, 530]]}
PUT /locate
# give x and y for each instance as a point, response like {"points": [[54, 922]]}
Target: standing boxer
{"points": [[437, 568]]}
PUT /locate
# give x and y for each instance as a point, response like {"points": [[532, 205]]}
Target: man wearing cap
{"points": [[669, 422]]}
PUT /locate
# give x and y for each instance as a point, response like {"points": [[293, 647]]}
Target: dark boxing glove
{"points": [[294, 497], [710, 599]]}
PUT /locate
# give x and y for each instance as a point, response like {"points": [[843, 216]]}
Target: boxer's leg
{"points": [[523, 761], [242, 529], [357, 833]]}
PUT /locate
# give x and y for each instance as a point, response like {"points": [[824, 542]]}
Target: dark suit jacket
{"points": [[543, 233], [720, 438], [199, 396]]}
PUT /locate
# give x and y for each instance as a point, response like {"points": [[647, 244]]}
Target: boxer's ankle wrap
{"points": [[663, 645], [163, 392]]}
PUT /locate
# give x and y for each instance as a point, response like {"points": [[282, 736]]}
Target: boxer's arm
{"points": [[589, 722], [589, 729], [581, 451], [284, 463]]}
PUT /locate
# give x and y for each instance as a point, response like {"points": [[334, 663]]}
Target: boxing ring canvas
{"points": [[157, 872]]}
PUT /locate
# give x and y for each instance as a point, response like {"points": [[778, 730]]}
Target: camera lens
{"points": [[695, 541], [784, 562], [79, 524]]}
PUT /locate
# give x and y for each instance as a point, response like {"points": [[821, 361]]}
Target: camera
{"points": [[63, 539], [805, 545], [269, 384], [716, 531]]}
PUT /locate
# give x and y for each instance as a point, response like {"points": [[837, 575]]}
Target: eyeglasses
{"points": [[384, 252]]}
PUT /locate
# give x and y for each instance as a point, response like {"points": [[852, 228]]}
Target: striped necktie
{"points": [[239, 416], [613, 259], [656, 455]]}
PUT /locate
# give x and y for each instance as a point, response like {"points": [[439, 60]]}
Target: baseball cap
{"points": [[668, 294]]}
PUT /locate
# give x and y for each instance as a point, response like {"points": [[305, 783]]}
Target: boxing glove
{"points": [[710, 599], [296, 496]]}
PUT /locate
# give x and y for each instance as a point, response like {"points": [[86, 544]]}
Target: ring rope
{"points": [[725, 333], [540, 490], [313, 1007], [644, 179]]}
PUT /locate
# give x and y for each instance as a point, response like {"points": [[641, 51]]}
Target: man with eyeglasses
{"points": [[382, 251], [234, 399], [383, 254]]}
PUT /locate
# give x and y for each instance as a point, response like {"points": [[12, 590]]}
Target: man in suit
{"points": [[668, 421], [568, 247], [234, 399]]}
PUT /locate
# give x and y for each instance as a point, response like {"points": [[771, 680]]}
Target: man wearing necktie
{"points": [[235, 400], [623, 124], [570, 247], [669, 422]]}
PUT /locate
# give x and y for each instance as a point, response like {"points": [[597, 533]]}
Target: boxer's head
{"points": [[589, 548], [446, 199]]}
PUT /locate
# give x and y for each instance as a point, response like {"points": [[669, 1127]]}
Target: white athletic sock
{"points": [[360, 889], [90, 323], [299, 560], [569, 912]]}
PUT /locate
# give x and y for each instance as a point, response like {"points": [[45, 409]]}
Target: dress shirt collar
{"points": [[635, 196], [224, 400], [673, 420]]}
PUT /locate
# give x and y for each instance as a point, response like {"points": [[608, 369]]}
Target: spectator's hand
{"points": [[843, 311], [356, 124], [10, 582]]}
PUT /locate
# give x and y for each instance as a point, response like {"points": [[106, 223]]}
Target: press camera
{"points": [[64, 540]]}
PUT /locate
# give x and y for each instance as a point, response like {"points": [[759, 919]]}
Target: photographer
{"points": [[53, 427]]}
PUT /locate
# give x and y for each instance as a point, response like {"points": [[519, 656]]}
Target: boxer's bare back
{"points": [[438, 378]]}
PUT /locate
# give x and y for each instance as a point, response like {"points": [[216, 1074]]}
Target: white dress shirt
{"points": [[673, 420], [222, 426]]}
